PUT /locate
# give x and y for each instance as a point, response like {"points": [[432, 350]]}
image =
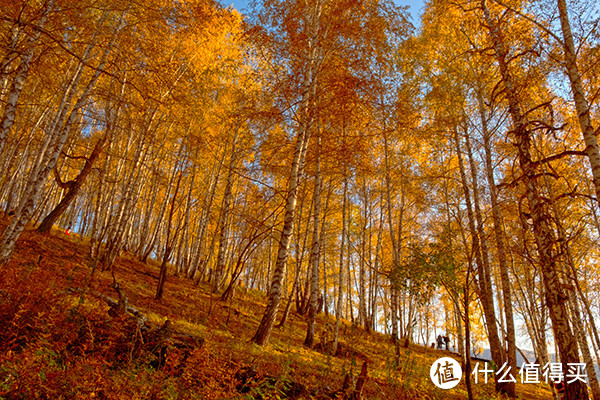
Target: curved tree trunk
{"points": [[56, 139], [73, 187]]}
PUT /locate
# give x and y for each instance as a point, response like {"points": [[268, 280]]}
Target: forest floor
{"points": [[57, 341]]}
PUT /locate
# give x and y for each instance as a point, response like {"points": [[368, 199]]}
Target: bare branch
{"points": [[528, 18], [559, 156]]}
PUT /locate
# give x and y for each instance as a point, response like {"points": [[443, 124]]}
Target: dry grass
{"points": [[54, 347]]}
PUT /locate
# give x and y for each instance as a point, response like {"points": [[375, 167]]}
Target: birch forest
{"points": [[345, 163]]}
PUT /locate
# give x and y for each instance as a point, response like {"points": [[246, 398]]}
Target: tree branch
{"points": [[74, 157], [60, 183], [559, 156], [538, 24]]}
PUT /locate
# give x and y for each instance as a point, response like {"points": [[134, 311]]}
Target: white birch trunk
{"points": [[313, 261], [500, 247], [542, 228], [309, 83], [581, 104], [21, 73]]}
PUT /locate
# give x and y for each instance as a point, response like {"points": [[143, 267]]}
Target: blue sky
{"points": [[415, 6]]}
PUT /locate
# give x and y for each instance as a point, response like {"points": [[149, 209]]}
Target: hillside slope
{"points": [[59, 341]]}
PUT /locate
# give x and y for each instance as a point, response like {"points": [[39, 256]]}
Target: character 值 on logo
{"points": [[445, 373]]}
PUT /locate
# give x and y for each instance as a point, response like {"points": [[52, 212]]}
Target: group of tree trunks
{"points": [[325, 153]]}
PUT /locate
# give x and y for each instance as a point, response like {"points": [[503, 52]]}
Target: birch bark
{"points": [[581, 104], [338, 308], [500, 247], [21, 73], [313, 261], [309, 83], [542, 227], [485, 287]]}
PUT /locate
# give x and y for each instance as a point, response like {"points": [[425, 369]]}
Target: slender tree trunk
{"points": [[395, 246], [223, 217], [485, 287], [297, 270], [16, 29], [261, 337], [499, 236], [374, 286], [21, 73], [314, 259], [322, 251], [467, 355], [204, 219], [338, 308], [578, 327], [581, 104], [146, 218], [586, 305], [309, 85], [362, 293], [183, 256], [169, 242], [584, 347], [303, 293], [149, 247], [288, 306]]}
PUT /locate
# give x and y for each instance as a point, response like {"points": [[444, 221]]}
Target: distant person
{"points": [[446, 341], [439, 342]]}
